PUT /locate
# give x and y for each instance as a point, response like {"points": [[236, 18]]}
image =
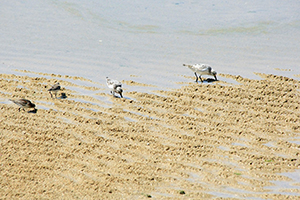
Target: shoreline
{"points": [[203, 139]]}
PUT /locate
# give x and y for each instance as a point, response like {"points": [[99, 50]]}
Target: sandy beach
{"points": [[169, 137], [196, 142]]}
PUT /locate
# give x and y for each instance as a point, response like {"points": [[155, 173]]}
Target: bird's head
{"points": [[32, 105], [213, 72], [119, 90]]}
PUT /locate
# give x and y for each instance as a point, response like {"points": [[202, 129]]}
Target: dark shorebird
{"points": [[115, 86], [202, 69], [55, 88], [24, 103]]}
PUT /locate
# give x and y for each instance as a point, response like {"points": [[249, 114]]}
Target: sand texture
{"points": [[205, 140]]}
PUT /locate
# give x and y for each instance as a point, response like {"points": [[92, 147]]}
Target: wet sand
{"points": [[207, 140]]}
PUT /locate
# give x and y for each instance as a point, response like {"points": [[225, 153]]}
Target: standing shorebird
{"points": [[202, 69], [115, 86], [55, 88], [24, 103]]}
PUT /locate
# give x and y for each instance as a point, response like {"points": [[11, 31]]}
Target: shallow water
{"points": [[149, 39], [286, 187]]}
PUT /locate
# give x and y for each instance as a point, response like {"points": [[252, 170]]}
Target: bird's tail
{"points": [[186, 65], [189, 66]]}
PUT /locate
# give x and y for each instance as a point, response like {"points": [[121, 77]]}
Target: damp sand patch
{"points": [[170, 143]]}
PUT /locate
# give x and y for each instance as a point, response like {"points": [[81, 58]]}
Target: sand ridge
{"points": [[203, 139]]}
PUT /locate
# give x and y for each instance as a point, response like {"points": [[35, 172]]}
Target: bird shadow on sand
{"points": [[32, 111], [115, 96], [118, 97], [210, 80], [62, 96]]}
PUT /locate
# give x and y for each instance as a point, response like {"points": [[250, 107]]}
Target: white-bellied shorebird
{"points": [[115, 86], [202, 69], [55, 88]]}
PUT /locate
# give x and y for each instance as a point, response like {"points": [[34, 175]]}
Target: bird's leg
{"points": [[215, 77], [51, 94], [196, 77], [201, 79], [19, 109], [121, 95]]}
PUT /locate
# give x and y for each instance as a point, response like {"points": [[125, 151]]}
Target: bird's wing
{"points": [[55, 87], [114, 82], [202, 67], [117, 85], [191, 67], [21, 102]]}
